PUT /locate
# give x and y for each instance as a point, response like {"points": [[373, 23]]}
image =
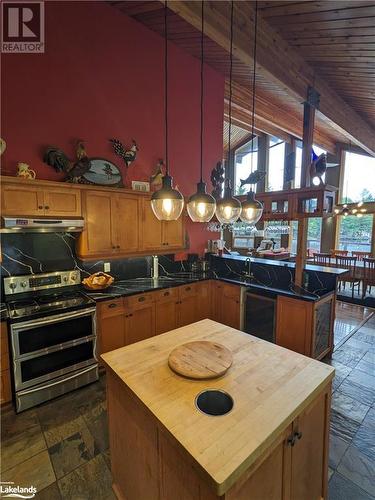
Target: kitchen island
{"points": [[273, 444]]}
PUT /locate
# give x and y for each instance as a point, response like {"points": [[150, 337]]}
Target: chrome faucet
{"points": [[247, 274], [155, 267]]}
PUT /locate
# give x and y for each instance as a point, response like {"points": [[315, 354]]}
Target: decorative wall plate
{"points": [[103, 172]]}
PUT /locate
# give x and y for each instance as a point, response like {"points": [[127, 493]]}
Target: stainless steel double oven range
{"points": [[52, 327]]}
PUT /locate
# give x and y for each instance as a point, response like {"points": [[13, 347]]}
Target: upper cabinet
{"points": [[120, 224], [27, 198], [117, 222]]}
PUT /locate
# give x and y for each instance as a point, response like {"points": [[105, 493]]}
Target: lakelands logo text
{"points": [[8, 490], [22, 27]]}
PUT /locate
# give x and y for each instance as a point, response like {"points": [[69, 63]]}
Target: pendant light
{"points": [[167, 203], [252, 209], [201, 205], [228, 208]]}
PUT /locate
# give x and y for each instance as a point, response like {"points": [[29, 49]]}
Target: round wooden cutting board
{"points": [[200, 359]]}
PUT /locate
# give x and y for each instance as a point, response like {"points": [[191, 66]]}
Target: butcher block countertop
{"points": [[270, 386]]}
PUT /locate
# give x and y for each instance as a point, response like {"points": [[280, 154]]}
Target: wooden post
{"points": [[308, 135]]}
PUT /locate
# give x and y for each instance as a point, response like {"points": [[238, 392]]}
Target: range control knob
{"points": [[65, 279], [24, 284], [73, 277], [12, 286]]}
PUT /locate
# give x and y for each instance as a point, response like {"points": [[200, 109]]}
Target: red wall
{"points": [[102, 77]]}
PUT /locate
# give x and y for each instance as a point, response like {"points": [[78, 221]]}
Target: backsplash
{"points": [[29, 253]]}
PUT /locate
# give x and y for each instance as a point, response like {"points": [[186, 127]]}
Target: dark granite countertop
{"points": [[283, 263], [135, 286]]}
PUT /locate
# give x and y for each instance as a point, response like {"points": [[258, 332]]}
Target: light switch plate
{"points": [[107, 267]]}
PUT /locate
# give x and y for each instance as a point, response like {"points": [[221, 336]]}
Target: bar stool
{"points": [[337, 252], [368, 275], [349, 263]]}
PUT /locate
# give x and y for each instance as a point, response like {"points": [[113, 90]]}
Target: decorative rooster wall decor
{"points": [[318, 167], [157, 177], [128, 155]]}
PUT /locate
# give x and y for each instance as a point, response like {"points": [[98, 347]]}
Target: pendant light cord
{"points": [[202, 42], [253, 89], [230, 81], [166, 86]]}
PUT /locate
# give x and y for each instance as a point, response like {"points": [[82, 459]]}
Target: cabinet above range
{"points": [[118, 222]]}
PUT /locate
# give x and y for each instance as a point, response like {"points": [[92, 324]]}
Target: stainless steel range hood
{"points": [[41, 225]]}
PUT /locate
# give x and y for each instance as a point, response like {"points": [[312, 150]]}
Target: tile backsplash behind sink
{"points": [[29, 253]]}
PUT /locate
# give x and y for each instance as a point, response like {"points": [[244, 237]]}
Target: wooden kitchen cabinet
{"points": [[29, 198], [306, 326], [111, 325], [203, 303], [159, 235], [166, 310], [5, 385], [226, 304], [139, 323], [112, 224], [186, 311]]}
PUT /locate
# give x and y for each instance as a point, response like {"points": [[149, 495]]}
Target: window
{"points": [[314, 233], [243, 237], [359, 178], [245, 162], [297, 178], [355, 233], [276, 158]]}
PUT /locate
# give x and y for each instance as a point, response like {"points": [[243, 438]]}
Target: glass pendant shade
{"points": [[228, 208], [167, 203], [252, 209], [201, 205]]}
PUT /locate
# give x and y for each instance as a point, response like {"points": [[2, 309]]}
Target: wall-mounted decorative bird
{"points": [[254, 178], [157, 177], [217, 179], [56, 158], [318, 168], [128, 155]]}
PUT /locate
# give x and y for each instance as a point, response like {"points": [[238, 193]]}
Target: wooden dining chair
{"points": [[368, 275], [361, 255], [337, 252], [349, 263], [323, 259]]}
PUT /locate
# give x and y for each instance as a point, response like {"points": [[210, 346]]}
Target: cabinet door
{"points": [[294, 324], [186, 310], [99, 236], [217, 297], [111, 325], [127, 223], [309, 456], [173, 233], [139, 324], [203, 309], [231, 312], [270, 480], [165, 316], [62, 202], [151, 228], [22, 200]]}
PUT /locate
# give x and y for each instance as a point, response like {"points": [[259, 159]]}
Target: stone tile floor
{"points": [[61, 447]]}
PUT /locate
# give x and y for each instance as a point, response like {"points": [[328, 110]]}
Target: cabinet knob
{"points": [[141, 299], [113, 247], [166, 294], [188, 288], [111, 306], [298, 435], [46, 207], [118, 246], [40, 207]]}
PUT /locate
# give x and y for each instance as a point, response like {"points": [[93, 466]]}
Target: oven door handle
{"points": [[52, 384], [52, 319]]}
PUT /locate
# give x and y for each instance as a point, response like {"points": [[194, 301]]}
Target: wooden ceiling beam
{"points": [[277, 61]]}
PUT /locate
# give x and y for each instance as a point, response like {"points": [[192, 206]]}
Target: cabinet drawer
{"points": [[111, 307], [167, 294], [188, 290], [232, 291], [5, 388], [138, 301]]}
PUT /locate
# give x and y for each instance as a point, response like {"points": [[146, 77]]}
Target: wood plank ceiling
{"points": [[337, 38], [276, 109]]}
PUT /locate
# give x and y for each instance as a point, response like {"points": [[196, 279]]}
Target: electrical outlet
{"points": [[107, 267]]}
